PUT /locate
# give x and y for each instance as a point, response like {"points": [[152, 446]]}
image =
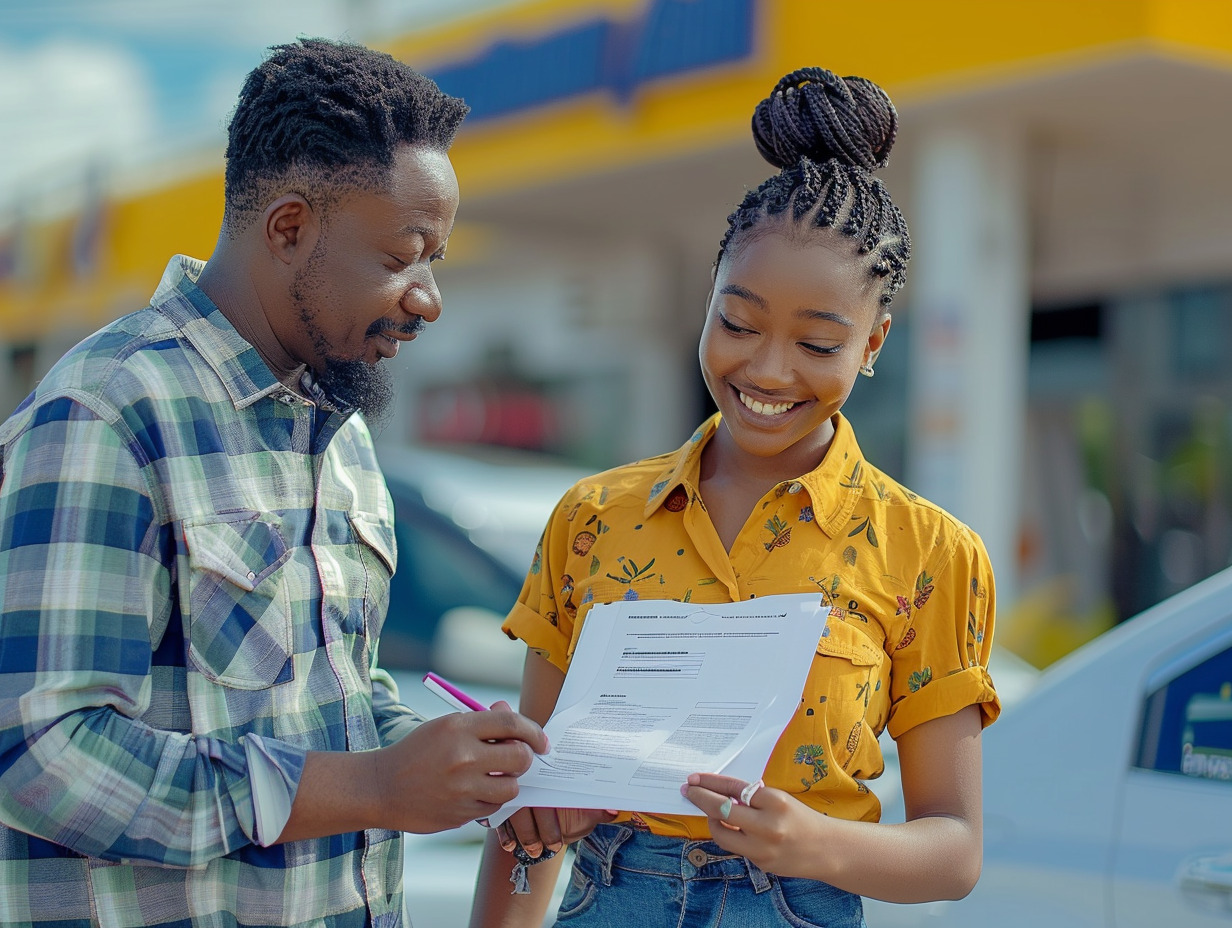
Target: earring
{"points": [[867, 367]]}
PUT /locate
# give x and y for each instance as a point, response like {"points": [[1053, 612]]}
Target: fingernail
{"points": [[612, 811], [684, 790], [694, 779]]}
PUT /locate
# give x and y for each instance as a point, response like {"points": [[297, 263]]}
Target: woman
{"points": [[772, 495]]}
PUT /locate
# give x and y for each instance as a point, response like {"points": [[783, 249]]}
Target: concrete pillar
{"points": [[663, 366], [970, 311]]}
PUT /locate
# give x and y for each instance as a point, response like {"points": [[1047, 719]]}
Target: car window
{"points": [[1187, 722]]}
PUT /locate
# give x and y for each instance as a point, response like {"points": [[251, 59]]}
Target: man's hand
{"points": [[445, 773], [456, 768]]}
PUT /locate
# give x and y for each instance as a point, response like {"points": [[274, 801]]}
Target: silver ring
{"points": [[747, 794], [725, 808]]}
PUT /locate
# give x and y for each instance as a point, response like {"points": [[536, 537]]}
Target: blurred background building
{"points": [[1057, 375]]}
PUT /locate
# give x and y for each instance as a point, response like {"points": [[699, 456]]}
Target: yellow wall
{"points": [[916, 48], [141, 233]]}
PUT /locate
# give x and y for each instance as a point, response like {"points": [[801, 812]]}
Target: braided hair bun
{"points": [[827, 135], [813, 113]]}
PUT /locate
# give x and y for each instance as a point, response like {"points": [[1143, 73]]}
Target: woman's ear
{"points": [[876, 340], [714, 276]]}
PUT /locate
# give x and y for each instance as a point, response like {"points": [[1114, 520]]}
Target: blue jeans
{"points": [[623, 877]]}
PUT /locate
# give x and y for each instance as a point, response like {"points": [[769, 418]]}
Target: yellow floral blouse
{"points": [[910, 586]]}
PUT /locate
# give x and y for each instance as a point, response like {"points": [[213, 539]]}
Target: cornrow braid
{"points": [[827, 134]]}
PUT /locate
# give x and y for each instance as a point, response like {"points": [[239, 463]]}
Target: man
{"points": [[196, 544]]}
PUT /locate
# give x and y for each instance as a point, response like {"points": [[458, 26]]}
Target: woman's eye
{"points": [[727, 324], [822, 349]]}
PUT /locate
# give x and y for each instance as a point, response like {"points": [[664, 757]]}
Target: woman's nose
{"points": [[769, 367]]}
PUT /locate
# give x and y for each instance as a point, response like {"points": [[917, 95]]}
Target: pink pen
{"points": [[451, 694]]}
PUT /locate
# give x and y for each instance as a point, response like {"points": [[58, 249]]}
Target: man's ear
{"points": [[290, 226]]}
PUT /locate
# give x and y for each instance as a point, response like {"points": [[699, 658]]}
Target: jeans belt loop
{"points": [[758, 877], [623, 834]]}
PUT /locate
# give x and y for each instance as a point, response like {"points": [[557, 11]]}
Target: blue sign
{"points": [[670, 37]]}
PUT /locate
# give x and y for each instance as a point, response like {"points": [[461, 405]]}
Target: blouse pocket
{"points": [[239, 613], [841, 639], [845, 688], [576, 603]]}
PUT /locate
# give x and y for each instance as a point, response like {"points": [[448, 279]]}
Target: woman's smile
{"points": [[765, 408]]}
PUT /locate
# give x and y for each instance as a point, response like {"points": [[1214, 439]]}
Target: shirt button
{"points": [[698, 857], [252, 575], [795, 487]]}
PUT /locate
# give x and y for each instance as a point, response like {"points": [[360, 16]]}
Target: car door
{"points": [[1172, 863]]}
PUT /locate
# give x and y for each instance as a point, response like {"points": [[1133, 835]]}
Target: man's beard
{"points": [[349, 383]]}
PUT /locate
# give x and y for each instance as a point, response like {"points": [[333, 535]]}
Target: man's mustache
{"points": [[383, 325]]}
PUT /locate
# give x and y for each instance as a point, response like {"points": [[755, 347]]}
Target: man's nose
{"points": [[423, 299]]}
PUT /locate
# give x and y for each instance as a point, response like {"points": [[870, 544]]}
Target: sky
{"points": [[115, 85]]}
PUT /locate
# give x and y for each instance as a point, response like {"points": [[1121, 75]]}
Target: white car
{"points": [[467, 526], [501, 498], [1108, 788]]}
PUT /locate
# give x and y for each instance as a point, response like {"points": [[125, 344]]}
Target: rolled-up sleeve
{"points": [[537, 618], [86, 593], [940, 660]]}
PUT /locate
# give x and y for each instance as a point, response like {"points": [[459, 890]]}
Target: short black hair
{"points": [[329, 116], [828, 134]]}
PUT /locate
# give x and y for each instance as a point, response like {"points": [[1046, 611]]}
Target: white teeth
{"points": [[765, 409]]}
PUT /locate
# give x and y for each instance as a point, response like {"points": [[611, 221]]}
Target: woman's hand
{"points": [[935, 855], [538, 830], [774, 829]]}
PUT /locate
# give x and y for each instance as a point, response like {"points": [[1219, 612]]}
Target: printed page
{"points": [[658, 689]]}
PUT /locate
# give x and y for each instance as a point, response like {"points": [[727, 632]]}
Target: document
{"points": [[659, 689]]}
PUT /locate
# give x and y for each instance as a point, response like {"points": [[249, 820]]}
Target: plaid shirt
{"points": [[194, 570]]}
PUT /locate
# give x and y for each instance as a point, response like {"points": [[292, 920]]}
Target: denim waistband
{"points": [[622, 847]]}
